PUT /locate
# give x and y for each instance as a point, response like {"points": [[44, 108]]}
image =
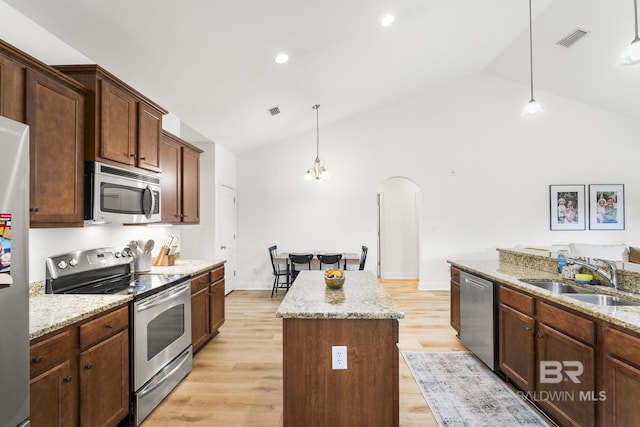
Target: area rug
{"points": [[462, 391]]}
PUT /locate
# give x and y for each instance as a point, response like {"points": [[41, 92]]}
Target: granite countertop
{"points": [[624, 316], [361, 297], [48, 312], [186, 266]]}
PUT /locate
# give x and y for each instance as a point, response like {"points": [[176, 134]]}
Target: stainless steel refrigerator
{"points": [[14, 273]]}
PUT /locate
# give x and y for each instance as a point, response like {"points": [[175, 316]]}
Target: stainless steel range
{"points": [[160, 323]]}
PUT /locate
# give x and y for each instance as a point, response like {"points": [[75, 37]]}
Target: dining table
{"points": [[348, 258]]}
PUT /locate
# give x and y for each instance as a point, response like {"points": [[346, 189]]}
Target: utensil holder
{"points": [[142, 262]]}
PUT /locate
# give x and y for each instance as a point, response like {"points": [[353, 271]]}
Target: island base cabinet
{"points": [[364, 394]]}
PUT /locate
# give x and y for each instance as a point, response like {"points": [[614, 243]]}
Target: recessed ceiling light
{"points": [[387, 20], [281, 58]]}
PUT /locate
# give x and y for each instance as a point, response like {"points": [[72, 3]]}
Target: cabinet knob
{"points": [[37, 359], [527, 328], [143, 158], [88, 366], [132, 154], [35, 209], [539, 335], [67, 379], [109, 325]]}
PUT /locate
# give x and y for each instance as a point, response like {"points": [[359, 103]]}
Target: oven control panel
{"points": [[85, 261]]}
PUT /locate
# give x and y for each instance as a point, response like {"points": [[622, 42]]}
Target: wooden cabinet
{"points": [[12, 97], [516, 338], [53, 105], [549, 351], [207, 306], [200, 327], [124, 126], [180, 185], [80, 376], [570, 384], [216, 300], [621, 378], [55, 114], [455, 300], [53, 386]]}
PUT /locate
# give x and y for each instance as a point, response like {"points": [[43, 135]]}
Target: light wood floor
{"points": [[237, 379]]}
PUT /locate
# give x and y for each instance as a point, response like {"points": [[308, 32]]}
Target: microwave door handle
{"points": [[147, 195]]}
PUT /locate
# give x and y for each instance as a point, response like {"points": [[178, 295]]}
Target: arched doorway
{"points": [[398, 229]]}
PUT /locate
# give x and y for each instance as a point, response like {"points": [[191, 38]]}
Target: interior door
{"points": [[227, 248], [398, 229]]}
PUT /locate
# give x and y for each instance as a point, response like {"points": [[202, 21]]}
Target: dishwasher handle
{"points": [[476, 284]]}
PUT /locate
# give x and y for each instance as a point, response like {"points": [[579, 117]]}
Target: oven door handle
{"points": [[162, 375], [173, 294]]}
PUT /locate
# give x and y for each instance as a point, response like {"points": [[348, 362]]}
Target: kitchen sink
{"points": [[608, 300], [557, 286]]}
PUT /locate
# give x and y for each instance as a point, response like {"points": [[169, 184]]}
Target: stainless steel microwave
{"points": [[120, 196]]}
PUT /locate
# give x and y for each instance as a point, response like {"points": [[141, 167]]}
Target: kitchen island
{"points": [[361, 317]]}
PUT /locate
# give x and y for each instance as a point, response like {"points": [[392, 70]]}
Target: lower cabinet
{"points": [[621, 378], [517, 344], [207, 306], [80, 376], [53, 386], [548, 352], [454, 308]]}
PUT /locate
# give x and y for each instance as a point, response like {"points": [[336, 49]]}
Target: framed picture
{"points": [[568, 210], [606, 207]]}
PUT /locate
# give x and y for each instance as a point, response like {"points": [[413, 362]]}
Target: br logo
{"points": [[554, 372]]}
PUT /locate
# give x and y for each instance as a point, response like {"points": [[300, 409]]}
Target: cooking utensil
{"points": [[148, 247]]}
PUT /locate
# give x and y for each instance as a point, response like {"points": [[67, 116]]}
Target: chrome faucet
{"points": [[610, 276]]}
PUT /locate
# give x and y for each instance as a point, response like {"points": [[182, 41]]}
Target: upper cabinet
{"points": [[55, 115], [124, 126], [180, 191], [53, 105]]}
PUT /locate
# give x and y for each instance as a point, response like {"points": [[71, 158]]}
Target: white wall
{"points": [[484, 174]]}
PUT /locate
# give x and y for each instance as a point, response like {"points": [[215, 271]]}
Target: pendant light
{"points": [[533, 107], [631, 54], [317, 172]]}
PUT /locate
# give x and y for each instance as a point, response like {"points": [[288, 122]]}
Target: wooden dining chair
{"points": [[279, 273], [298, 259], [329, 259], [363, 257]]}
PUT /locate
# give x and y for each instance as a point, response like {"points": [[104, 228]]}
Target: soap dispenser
{"points": [[562, 262]]}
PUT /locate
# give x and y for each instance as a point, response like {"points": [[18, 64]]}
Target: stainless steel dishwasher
{"points": [[478, 317]]}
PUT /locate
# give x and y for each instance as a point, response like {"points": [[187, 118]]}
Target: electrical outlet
{"points": [[339, 357]]}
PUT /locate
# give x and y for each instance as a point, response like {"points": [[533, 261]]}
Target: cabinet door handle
{"points": [[35, 209], [109, 325], [527, 328], [539, 335], [132, 155], [88, 366], [37, 359], [67, 379], [143, 158]]}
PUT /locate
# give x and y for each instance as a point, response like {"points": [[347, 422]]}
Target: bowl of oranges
{"points": [[334, 279]]}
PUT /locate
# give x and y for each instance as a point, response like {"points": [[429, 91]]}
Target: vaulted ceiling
{"points": [[211, 63]]}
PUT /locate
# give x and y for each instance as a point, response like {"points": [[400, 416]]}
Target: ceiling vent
{"points": [[274, 111], [572, 38]]}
